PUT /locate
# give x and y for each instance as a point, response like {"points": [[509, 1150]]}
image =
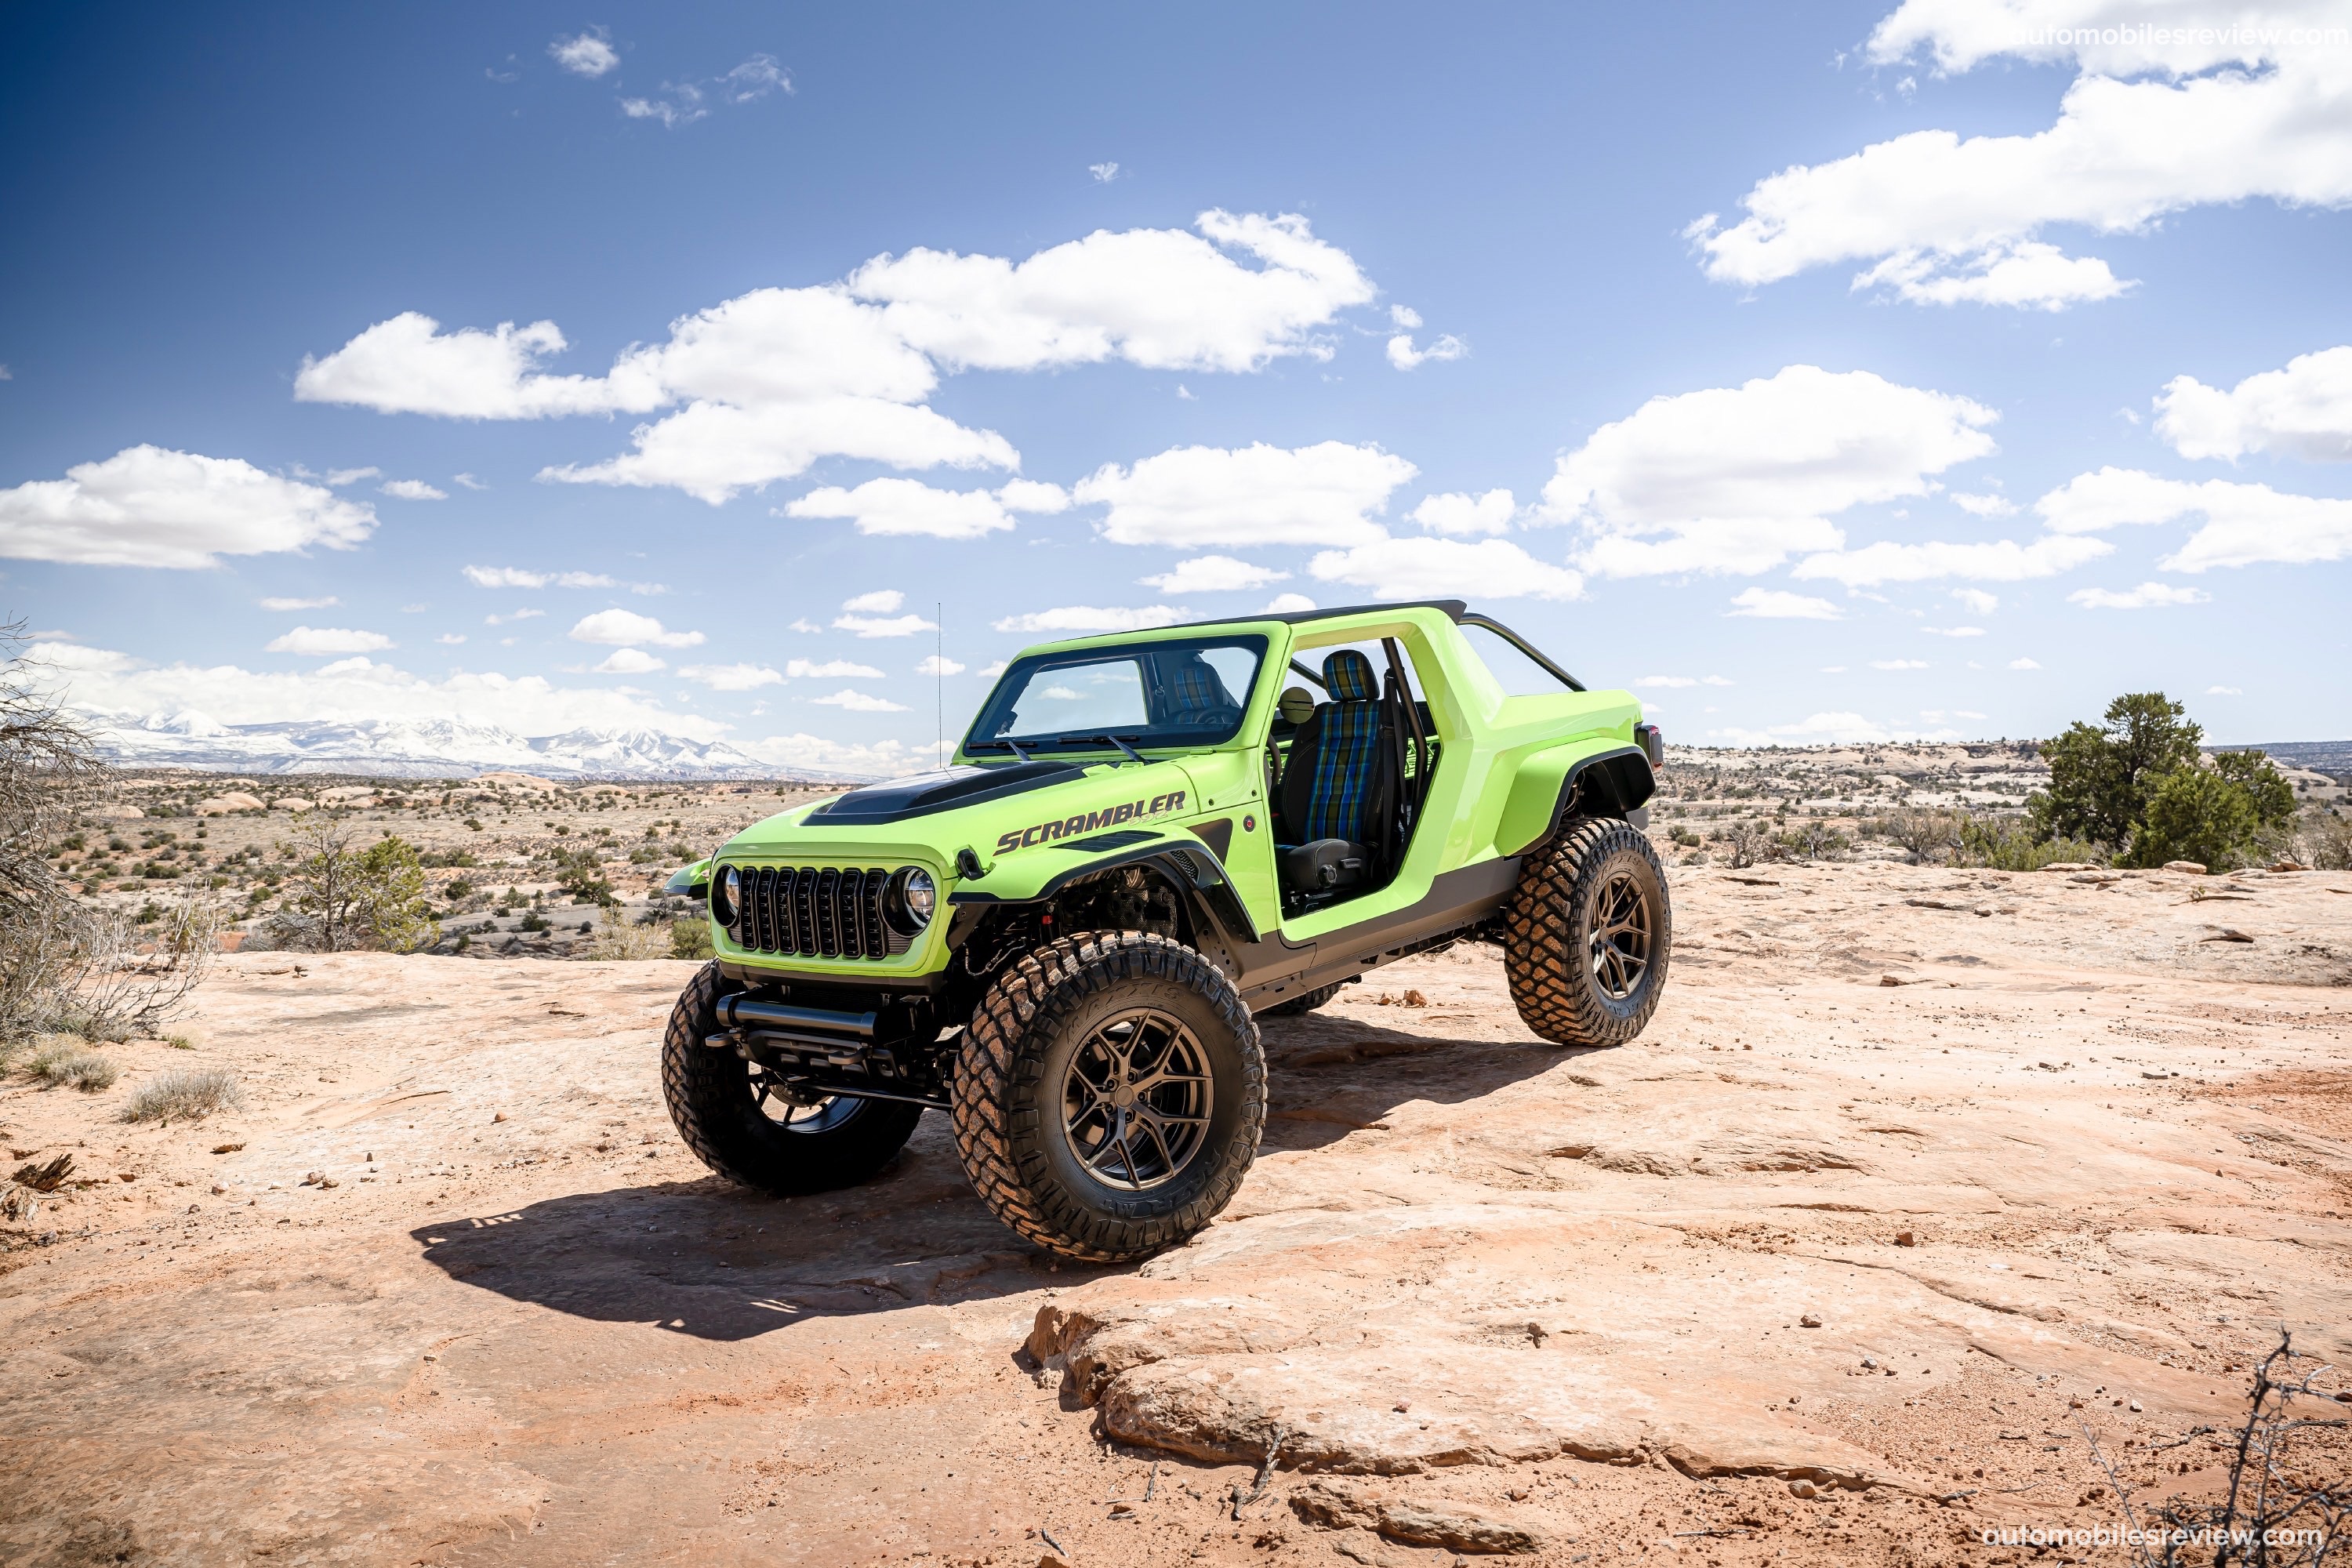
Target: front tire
{"points": [[742, 1125], [1587, 934], [1109, 1096]]}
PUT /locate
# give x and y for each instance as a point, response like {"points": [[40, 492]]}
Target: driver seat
{"points": [[1334, 789]]}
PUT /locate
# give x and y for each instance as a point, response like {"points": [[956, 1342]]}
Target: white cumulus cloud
{"points": [[1288, 605], [413, 489], [320, 640], [406, 364], [1161, 298], [829, 669], [2244, 524], [1421, 568], [147, 506], [1458, 513], [1078, 619], [2304, 410], [763, 385], [2147, 596], [732, 677], [1983, 505], [1898, 664], [1736, 479], [588, 54], [933, 665], [1779, 604], [859, 702], [1404, 357], [629, 661], [2002, 560], [516, 577], [889, 506], [1256, 495], [626, 628], [1212, 574], [2171, 108], [882, 625], [1977, 601], [320, 604], [2023, 664]]}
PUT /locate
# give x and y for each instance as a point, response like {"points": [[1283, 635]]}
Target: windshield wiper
{"points": [[1010, 744], [1132, 754]]}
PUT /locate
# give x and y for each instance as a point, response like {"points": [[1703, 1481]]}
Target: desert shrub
{"points": [[339, 898], [1807, 841], [1930, 838], [2142, 785], [183, 1094], [690, 937], [2324, 842], [2102, 778], [65, 1061], [1741, 843], [2197, 815], [580, 874], [620, 940], [2010, 844], [534, 921], [44, 758]]}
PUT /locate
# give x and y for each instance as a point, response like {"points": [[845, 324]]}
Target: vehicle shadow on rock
{"points": [[717, 1261], [1330, 1074]]}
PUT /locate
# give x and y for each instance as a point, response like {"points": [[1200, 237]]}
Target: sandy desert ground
{"points": [[1916, 1171]]}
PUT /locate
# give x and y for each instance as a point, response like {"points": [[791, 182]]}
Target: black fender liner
{"points": [[1615, 783], [1191, 867]]}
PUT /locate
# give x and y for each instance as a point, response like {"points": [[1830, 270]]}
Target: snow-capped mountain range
{"points": [[430, 749]]}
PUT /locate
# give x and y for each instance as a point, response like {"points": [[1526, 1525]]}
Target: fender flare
{"points": [[1190, 867], [1614, 782]]}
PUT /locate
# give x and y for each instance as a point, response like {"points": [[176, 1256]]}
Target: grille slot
{"points": [[818, 912]]}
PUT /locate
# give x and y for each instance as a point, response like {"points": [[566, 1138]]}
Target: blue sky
{"points": [[1773, 327]]}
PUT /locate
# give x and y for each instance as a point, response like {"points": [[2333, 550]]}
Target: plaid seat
{"points": [[1348, 759], [1194, 688]]}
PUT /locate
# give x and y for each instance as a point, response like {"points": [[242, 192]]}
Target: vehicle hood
{"points": [[942, 789], [994, 808]]}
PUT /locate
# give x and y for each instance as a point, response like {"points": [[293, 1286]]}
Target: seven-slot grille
{"points": [[815, 913]]}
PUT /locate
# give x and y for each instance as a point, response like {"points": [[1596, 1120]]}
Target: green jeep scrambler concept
{"points": [[1060, 939]]}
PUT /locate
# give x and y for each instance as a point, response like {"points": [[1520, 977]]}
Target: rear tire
{"points": [[756, 1140], [1589, 933], [1304, 1003], [1110, 1095]]}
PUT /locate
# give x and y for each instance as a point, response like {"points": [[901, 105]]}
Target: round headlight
{"points": [[726, 895], [914, 897]]}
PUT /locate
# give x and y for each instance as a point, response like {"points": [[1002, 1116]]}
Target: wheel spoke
{"points": [[1136, 1098], [1167, 1158]]}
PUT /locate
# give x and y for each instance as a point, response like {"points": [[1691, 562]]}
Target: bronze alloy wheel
{"points": [[1109, 1095], [1620, 947], [1135, 1100], [1589, 933]]}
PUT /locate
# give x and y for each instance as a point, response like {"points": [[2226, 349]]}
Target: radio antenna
{"points": [[939, 680]]}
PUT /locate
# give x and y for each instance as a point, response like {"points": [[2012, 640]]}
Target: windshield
{"points": [[1189, 692]]}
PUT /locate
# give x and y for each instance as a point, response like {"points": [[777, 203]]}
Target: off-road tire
{"points": [[1009, 1119], [1304, 1003], [1546, 934], [717, 1111]]}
